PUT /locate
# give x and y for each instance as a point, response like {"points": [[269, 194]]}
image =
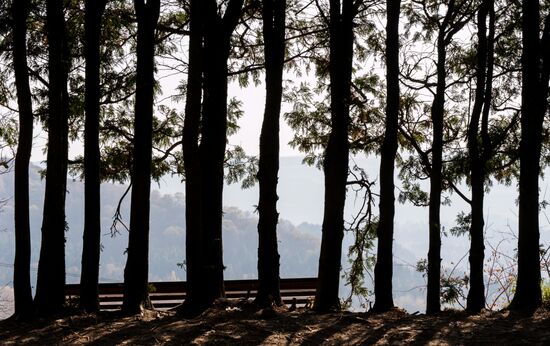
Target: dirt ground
{"points": [[243, 324]]}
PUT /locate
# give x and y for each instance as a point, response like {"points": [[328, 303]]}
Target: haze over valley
{"points": [[300, 207]]}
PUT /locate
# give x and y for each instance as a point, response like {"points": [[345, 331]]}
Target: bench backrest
{"points": [[168, 294]]}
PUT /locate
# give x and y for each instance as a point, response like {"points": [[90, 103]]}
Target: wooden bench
{"points": [[168, 294]]}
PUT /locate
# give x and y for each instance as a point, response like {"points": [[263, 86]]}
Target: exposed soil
{"points": [[243, 324]]}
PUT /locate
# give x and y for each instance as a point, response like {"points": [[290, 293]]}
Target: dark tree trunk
{"points": [[212, 147], [436, 180], [50, 286], [479, 151], [336, 154], [383, 271], [449, 26], [212, 153], [534, 104], [268, 255], [193, 208], [137, 264], [89, 299], [22, 265]]}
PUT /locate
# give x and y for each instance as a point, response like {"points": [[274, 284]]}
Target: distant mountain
{"points": [[298, 246], [299, 250]]}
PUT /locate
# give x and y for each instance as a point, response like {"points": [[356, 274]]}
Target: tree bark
{"points": [[273, 14], [213, 141], [193, 208], [50, 285], [449, 26], [336, 154], [479, 149], [436, 180], [22, 265], [89, 297], [383, 270], [534, 104], [137, 264]]}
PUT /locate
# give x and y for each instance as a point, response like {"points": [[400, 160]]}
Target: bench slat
{"points": [[168, 294]]}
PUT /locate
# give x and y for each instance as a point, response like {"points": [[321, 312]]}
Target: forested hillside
{"points": [[301, 248], [299, 245]]}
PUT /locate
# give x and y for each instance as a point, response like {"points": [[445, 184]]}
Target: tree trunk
{"points": [[137, 264], [212, 147], [383, 270], [89, 299], [50, 285], [268, 255], [436, 180], [22, 265], [336, 155], [212, 154], [534, 95], [479, 149], [448, 27], [193, 208]]}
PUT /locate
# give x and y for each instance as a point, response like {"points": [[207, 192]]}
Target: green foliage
{"points": [[453, 286], [463, 222], [8, 142], [151, 288], [411, 192], [309, 118], [234, 113], [422, 266], [361, 255], [240, 167], [362, 260], [545, 287], [453, 289]]}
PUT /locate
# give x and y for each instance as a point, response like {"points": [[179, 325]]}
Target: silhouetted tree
{"points": [[191, 129], [456, 16], [383, 270], [50, 295], [89, 300], [22, 265], [217, 46], [137, 265], [534, 104], [479, 150], [335, 163], [273, 16]]}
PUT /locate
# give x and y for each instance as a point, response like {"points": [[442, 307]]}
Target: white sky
{"points": [[253, 98]]}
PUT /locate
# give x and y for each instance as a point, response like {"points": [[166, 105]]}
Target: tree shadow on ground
{"points": [[395, 327], [222, 324], [246, 324]]}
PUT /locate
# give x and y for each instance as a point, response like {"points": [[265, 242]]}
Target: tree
{"points": [[92, 228], [118, 33], [22, 280], [136, 270], [535, 65], [273, 16], [436, 181], [337, 151], [217, 37], [479, 151], [456, 15], [50, 284], [383, 271], [193, 207]]}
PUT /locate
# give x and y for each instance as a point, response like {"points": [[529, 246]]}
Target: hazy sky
{"points": [[248, 137]]}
